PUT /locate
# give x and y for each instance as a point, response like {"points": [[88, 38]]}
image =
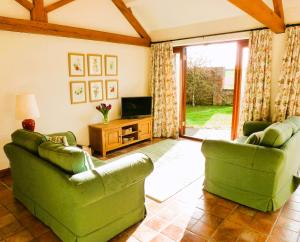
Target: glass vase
{"points": [[105, 118]]}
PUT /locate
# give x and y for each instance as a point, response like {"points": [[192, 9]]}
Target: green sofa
{"points": [[258, 170], [79, 197]]}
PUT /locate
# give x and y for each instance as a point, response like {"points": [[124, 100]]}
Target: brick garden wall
{"points": [[205, 86]]}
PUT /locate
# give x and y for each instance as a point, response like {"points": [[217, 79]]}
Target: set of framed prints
{"points": [[96, 89], [94, 65]]}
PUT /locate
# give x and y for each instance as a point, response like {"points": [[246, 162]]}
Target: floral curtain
{"points": [[288, 99], [163, 89], [256, 102]]}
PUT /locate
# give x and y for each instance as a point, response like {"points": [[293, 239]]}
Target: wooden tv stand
{"points": [[119, 133]]}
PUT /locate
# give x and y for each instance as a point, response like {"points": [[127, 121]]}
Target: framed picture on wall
{"points": [[96, 91], [76, 64], [112, 89], [78, 92], [94, 65], [111, 65]]}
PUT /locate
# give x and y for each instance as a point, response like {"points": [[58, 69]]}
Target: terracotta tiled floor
{"points": [[190, 215]]}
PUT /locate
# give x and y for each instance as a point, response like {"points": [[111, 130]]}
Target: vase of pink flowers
{"points": [[104, 109]]}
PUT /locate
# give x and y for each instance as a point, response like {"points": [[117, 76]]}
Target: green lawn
{"points": [[217, 117]]}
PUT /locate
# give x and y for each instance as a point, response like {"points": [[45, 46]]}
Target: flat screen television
{"points": [[135, 107]]}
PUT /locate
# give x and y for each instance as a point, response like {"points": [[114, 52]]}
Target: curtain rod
{"points": [[209, 35]]}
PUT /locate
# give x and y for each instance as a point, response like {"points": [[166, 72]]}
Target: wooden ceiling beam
{"points": [[38, 12], [37, 27], [278, 8], [262, 13], [26, 4], [56, 5], [127, 13]]}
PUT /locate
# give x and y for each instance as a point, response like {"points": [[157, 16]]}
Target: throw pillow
{"points": [[294, 121], [58, 140], [255, 138], [276, 135], [70, 137]]}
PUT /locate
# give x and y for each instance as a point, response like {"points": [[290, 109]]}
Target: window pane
{"points": [[210, 90]]}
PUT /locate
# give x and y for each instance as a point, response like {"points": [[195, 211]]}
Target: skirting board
{"points": [[4, 172]]}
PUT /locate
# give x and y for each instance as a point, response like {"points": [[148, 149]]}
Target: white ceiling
{"points": [[92, 14], [158, 14], [163, 14], [162, 19]]}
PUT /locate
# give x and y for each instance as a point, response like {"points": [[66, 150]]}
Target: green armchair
{"points": [[262, 175], [87, 204]]}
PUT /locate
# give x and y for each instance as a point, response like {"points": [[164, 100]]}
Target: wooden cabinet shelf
{"points": [[111, 136], [133, 132], [130, 142]]}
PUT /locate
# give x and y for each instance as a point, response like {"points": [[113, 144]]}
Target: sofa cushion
{"points": [[276, 135], [241, 140], [28, 140], [251, 127], [58, 140], [293, 126], [70, 158], [70, 137], [294, 121], [255, 138]]}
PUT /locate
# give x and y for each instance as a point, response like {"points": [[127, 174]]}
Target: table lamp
{"points": [[27, 110]]}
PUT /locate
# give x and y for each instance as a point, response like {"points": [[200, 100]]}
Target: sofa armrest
{"points": [[113, 177], [256, 157], [251, 127], [35, 177]]}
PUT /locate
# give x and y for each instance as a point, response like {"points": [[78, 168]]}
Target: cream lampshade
{"points": [[27, 109]]}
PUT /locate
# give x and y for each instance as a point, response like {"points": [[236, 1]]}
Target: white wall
{"points": [[39, 64]]}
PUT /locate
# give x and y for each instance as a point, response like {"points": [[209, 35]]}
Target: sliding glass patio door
{"points": [[210, 78]]}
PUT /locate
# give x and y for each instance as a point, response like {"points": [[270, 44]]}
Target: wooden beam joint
{"points": [[56, 5], [278, 8], [39, 24], [262, 13], [26, 4], [38, 27], [38, 12], [127, 13]]}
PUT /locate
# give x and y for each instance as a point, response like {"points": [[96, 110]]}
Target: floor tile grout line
{"points": [[23, 227], [294, 209], [211, 237], [280, 214], [10, 212], [5, 185], [274, 224], [294, 220], [268, 235], [168, 224], [156, 214], [200, 198]]}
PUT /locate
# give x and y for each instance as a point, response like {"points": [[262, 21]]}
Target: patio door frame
{"points": [[181, 50]]}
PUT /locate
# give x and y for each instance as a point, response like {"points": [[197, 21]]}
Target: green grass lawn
{"points": [[218, 117]]}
